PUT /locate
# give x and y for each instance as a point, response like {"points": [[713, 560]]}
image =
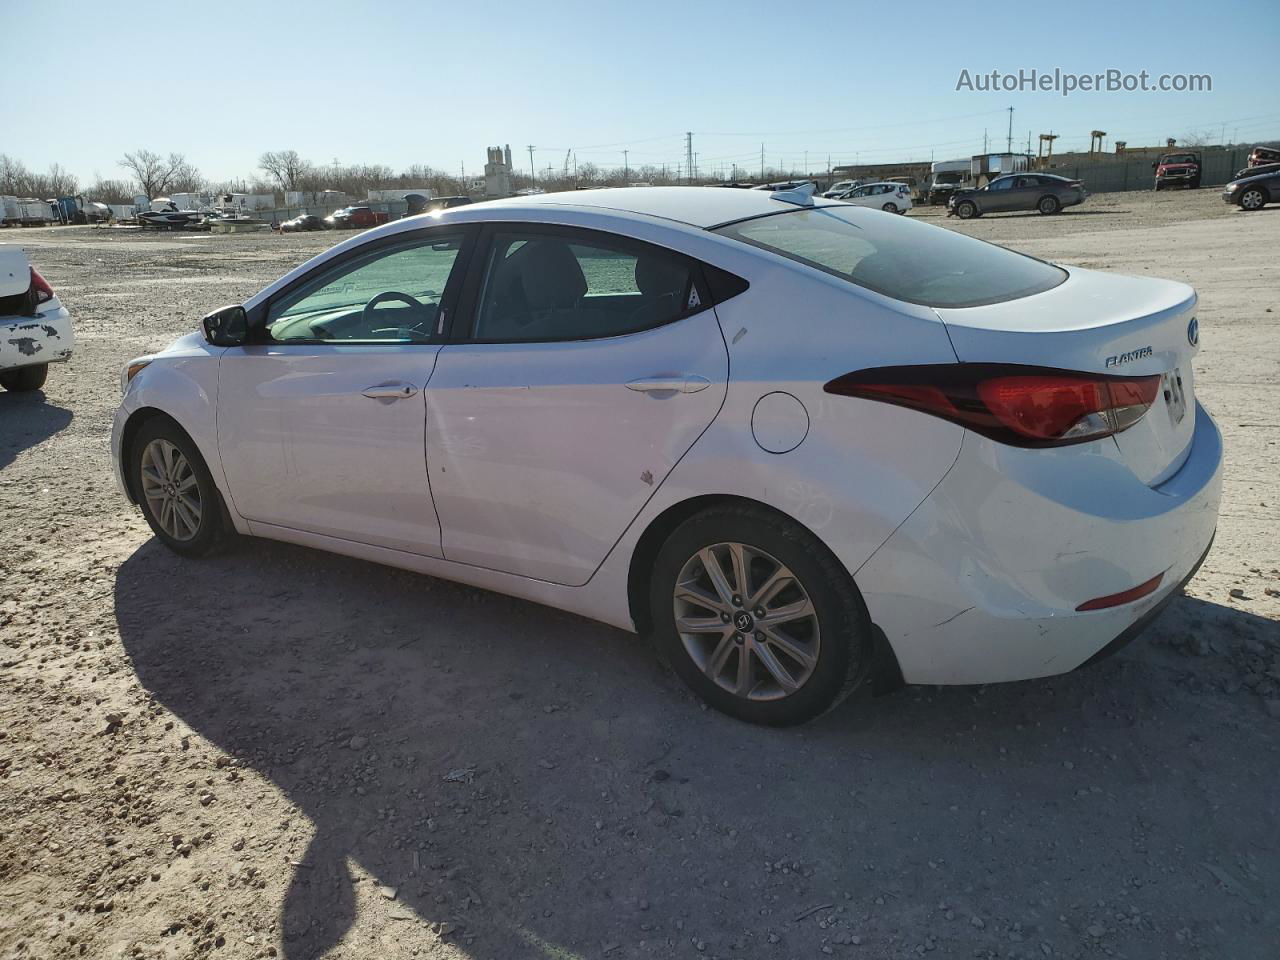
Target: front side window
{"points": [[898, 257], [1004, 183], [556, 286], [391, 295]]}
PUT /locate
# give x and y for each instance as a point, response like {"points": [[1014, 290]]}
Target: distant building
{"points": [[497, 172]]}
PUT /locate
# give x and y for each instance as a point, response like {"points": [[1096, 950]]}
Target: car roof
{"points": [[695, 206]]}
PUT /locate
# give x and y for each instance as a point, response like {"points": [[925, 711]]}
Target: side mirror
{"points": [[227, 326]]}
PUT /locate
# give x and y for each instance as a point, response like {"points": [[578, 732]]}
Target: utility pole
{"points": [[1009, 146], [806, 163], [984, 140], [533, 173], [695, 166], [688, 154], [762, 161], [626, 167]]}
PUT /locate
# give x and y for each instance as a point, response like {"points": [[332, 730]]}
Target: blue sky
{"points": [[400, 83]]}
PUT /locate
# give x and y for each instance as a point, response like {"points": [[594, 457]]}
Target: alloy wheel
{"points": [[1251, 200], [171, 489], [746, 621]]}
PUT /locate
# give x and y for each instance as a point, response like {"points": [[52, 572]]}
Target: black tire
{"points": [[1158, 186], [966, 209], [1048, 205], [25, 379], [1252, 198], [890, 208], [845, 647], [211, 528], [1195, 183]]}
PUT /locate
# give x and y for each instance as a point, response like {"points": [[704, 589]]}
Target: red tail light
{"points": [[44, 292], [1020, 405]]}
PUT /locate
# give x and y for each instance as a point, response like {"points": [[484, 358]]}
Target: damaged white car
{"points": [[35, 328]]}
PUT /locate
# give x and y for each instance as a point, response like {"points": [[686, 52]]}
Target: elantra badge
{"points": [[1120, 358], [1193, 331]]}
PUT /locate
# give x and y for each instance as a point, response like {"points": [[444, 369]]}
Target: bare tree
{"points": [[156, 175], [15, 178], [286, 167], [109, 191]]}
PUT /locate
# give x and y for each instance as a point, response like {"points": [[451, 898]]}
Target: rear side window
{"points": [[564, 287], [898, 257]]}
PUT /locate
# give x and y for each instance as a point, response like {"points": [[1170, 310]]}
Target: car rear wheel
{"points": [[890, 208], [175, 489], [758, 617], [1048, 205], [966, 209], [25, 378], [1252, 199]]}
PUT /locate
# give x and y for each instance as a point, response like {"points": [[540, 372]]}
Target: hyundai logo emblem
{"points": [[1193, 331], [742, 621]]}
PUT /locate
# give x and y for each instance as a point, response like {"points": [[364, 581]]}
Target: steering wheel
{"points": [[366, 316]]}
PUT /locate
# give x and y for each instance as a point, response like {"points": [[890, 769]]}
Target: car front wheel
{"points": [[1252, 199], [25, 378], [175, 489], [758, 617], [966, 209]]}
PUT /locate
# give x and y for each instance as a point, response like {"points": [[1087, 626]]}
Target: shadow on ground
{"points": [[27, 419], [537, 781]]}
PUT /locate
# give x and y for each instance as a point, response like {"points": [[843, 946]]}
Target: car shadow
{"points": [[27, 419], [536, 782]]}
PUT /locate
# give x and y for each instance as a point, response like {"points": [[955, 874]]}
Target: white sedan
{"points": [[35, 328], [797, 442], [889, 197]]}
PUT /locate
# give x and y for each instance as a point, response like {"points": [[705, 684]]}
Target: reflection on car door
{"points": [[589, 366], [320, 424]]}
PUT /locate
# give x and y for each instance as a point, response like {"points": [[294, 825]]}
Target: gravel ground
{"points": [[278, 752]]}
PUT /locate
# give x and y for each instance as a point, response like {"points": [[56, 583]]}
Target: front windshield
{"points": [[900, 258]]}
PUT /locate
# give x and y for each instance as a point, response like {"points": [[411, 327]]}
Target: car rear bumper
{"points": [[45, 338], [982, 582]]}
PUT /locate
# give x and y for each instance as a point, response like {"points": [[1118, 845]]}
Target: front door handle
{"points": [[390, 391], [686, 384]]}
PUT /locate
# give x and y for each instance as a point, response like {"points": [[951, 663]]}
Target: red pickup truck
{"points": [[1177, 169], [355, 218]]}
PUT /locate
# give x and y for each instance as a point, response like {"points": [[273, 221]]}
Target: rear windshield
{"points": [[898, 257]]}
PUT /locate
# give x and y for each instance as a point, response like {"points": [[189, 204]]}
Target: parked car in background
{"points": [[841, 186], [35, 328], [1255, 171], [1260, 155], [445, 203], [954, 414], [891, 197], [1254, 193], [1044, 192], [303, 223], [1178, 170], [354, 218]]}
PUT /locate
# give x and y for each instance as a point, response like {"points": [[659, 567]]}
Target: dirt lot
{"points": [[282, 753]]}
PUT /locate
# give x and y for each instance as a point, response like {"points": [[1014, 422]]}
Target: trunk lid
{"points": [[15, 271], [1101, 323]]}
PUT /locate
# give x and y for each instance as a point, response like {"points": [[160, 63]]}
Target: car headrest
{"points": [[657, 276], [550, 275]]}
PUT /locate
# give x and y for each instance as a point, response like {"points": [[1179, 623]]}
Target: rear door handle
{"points": [[687, 384], [390, 391]]}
